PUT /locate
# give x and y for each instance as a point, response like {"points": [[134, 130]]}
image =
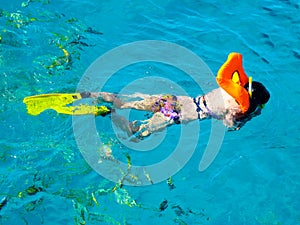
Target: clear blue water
{"points": [[43, 176]]}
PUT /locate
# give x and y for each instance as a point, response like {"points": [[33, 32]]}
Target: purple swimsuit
{"points": [[168, 106]]}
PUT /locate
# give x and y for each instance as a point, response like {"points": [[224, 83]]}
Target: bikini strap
{"points": [[197, 103], [207, 111]]}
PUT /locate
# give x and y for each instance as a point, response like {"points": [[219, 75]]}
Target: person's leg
{"points": [[144, 102], [141, 128], [105, 96], [122, 123], [156, 123]]}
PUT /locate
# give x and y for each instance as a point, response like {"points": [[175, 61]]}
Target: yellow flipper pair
{"points": [[60, 103]]}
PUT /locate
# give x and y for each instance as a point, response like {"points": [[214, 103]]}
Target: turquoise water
{"points": [[44, 178]]}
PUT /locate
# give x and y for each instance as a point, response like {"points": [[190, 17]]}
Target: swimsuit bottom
{"points": [[169, 106]]}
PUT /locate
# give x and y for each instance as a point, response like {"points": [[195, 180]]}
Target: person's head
{"points": [[260, 96]]}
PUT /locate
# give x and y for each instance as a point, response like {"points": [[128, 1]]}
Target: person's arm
{"points": [[236, 90]]}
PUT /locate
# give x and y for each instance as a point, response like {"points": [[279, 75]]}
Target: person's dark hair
{"points": [[260, 95]]}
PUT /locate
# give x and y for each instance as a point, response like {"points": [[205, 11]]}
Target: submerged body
{"points": [[234, 102], [217, 104]]}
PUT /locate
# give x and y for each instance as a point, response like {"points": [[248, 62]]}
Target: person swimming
{"points": [[236, 101]]}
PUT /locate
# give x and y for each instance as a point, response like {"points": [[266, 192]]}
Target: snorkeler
{"points": [[236, 101]]}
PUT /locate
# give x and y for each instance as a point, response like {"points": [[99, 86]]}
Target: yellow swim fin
{"points": [[60, 103]]}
